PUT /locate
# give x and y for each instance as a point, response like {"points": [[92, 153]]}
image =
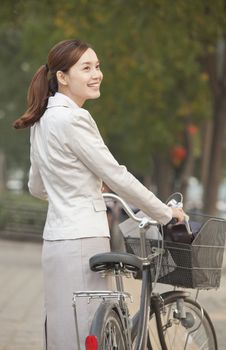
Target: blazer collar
{"points": [[61, 100]]}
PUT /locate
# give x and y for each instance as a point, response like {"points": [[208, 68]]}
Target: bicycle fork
{"points": [[156, 302]]}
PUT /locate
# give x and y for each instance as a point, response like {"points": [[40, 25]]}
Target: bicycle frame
{"points": [[146, 289]]}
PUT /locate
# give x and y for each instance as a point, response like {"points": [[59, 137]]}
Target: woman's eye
{"points": [[87, 68], [98, 66]]}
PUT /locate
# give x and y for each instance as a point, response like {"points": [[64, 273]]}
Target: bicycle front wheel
{"points": [[194, 331], [108, 329]]}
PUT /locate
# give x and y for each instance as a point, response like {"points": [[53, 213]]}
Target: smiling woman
{"points": [[83, 79], [69, 161]]}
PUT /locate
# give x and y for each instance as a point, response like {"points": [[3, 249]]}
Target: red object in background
{"points": [[91, 342], [192, 129], [178, 154]]}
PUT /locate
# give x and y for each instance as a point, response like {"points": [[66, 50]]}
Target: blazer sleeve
{"points": [[35, 183], [84, 140]]}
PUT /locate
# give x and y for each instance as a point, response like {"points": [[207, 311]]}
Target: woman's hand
{"points": [[178, 214]]}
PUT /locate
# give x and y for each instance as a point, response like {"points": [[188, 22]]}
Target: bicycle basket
{"points": [[194, 265]]}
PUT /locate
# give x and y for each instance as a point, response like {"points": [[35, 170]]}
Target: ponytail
{"points": [[37, 99], [44, 83]]}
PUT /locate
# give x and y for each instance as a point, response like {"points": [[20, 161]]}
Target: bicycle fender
{"points": [[175, 293]]}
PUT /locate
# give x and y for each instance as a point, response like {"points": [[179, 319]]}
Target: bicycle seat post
{"points": [[118, 279]]}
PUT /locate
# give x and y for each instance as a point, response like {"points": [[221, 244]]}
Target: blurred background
{"points": [[162, 110]]}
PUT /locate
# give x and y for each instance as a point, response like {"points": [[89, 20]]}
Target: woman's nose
{"points": [[97, 74]]}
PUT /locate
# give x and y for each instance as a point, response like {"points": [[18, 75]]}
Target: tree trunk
{"points": [[215, 170], [207, 134], [163, 176], [2, 172], [216, 69]]}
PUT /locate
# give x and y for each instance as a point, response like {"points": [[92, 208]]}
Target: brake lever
{"points": [[174, 204]]}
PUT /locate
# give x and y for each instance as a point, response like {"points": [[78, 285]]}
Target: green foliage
{"points": [[22, 199], [21, 216], [151, 53]]}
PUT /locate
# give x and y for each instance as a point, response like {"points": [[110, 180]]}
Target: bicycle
{"points": [[171, 320]]}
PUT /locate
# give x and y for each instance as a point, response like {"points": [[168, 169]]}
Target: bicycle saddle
{"points": [[114, 260]]}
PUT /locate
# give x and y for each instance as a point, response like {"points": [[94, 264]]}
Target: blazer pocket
{"points": [[99, 205]]}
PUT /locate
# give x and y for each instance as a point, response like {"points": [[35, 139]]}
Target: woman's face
{"points": [[82, 81]]}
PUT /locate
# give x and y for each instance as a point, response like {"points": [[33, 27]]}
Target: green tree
{"points": [[158, 77]]}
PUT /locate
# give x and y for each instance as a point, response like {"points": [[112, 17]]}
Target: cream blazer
{"points": [[69, 161]]}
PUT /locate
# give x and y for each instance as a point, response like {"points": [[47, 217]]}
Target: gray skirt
{"points": [[66, 270]]}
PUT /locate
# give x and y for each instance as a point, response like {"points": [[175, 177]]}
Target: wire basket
{"points": [[194, 265]]}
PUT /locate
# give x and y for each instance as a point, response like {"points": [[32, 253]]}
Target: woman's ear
{"points": [[61, 77]]}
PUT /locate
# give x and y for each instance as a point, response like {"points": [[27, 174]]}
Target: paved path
{"points": [[21, 309], [20, 296]]}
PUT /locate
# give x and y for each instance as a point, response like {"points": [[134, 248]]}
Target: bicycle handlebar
{"points": [[146, 221], [143, 221]]}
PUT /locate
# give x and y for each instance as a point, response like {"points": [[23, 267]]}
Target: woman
{"points": [[69, 161]]}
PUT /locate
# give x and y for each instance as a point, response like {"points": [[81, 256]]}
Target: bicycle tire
{"points": [[108, 328], [182, 334]]}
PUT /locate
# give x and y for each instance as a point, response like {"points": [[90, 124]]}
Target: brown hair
{"points": [[44, 83]]}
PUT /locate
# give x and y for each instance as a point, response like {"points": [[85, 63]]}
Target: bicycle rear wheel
{"points": [[108, 329], [193, 332]]}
